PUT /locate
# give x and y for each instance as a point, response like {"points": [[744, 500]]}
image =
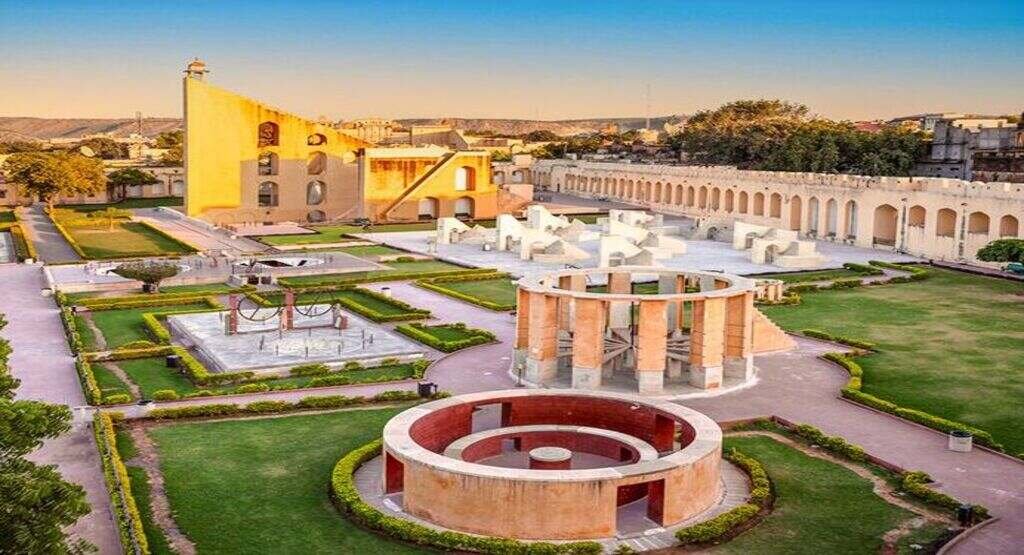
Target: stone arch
{"points": [[464, 207], [316, 192], [812, 215], [267, 194], [978, 222], [795, 212], [267, 163], [679, 195], [831, 217], [884, 225], [517, 176], [775, 206], [759, 203], [850, 219], [743, 202], [657, 192], [177, 187], [629, 189], [945, 223], [716, 198], [269, 134], [499, 177], [427, 208], [916, 216], [465, 179], [729, 196], [1009, 226], [316, 216], [691, 194], [317, 163], [702, 197]]}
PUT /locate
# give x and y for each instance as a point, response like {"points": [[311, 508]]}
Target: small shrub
{"points": [[310, 370], [117, 399], [717, 527], [166, 395], [200, 393], [352, 365], [405, 259], [138, 344], [834, 444], [267, 406], [848, 283], [915, 482], [252, 388]]}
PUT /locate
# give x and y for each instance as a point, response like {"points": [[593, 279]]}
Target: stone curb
{"points": [[951, 544]]}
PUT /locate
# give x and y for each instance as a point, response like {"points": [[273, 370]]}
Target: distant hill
{"points": [[67, 128], [565, 127]]}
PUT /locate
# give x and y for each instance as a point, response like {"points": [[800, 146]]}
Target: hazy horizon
{"points": [[531, 60]]}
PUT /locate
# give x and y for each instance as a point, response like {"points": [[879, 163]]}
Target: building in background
{"points": [[955, 141]]}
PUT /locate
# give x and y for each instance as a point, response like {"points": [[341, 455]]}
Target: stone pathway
{"points": [[43, 363], [196, 234], [49, 243]]}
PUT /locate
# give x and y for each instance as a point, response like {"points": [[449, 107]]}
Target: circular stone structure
{"points": [[550, 458], [698, 330], [458, 462]]}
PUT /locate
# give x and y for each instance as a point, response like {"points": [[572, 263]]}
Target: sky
{"points": [[550, 59]]}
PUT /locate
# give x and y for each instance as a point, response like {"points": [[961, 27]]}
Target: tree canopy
{"points": [[130, 177], [147, 272], [49, 175], [172, 141], [105, 148], [35, 501]]}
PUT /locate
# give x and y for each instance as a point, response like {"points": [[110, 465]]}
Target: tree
{"points": [[11, 147], [501, 156], [1003, 250], [541, 136], [48, 176], [130, 177], [36, 503], [105, 148], [149, 273], [173, 141]]}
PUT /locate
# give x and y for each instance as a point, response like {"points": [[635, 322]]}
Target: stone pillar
{"points": [[588, 343], [652, 330], [522, 327], [707, 342], [288, 312], [739, 325], [542, 351], [619, 312], [233, 302], [565, 308]]}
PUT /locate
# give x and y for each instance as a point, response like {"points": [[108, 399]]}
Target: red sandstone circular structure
{"points": [[698, 330], [454, 473]]}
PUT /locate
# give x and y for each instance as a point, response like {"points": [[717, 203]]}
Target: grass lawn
{"points": [[500, 290], [108, 382], [209, 288], [423, 266], [260, 486], [128, 203], [7, 216], [818, 275], [821, 507], [358, 296], [152, 375], [125, 325], [127, 239], [951, 345], [372, 250]]}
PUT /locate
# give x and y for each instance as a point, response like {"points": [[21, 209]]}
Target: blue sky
{"points": [[524, 59]]}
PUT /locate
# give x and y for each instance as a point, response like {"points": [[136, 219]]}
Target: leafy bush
{"points": [[834, 444], [309, 370], [917, 273], [1003, 250], [117, 399], [126, 511], [331, 283], [914, 484], [348, 500], [352, 365], [717, 527], [848, 283], [138, 344], [151, 273], [267, 406], [306, 403], [863, 269], [858, 343], [166, 395], [761, 487], [252, 388], [93, 395]]}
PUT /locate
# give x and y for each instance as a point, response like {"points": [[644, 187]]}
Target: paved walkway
{"points": [[43, 363], [206, 238], [49, 243]]}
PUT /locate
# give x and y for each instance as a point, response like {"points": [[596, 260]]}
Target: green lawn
{"points": [[820, 507], [499, 290], [128, 203], [152, 375], [209, 288], [158, 544], [125, 325], [260, 486], [127, 239], [108, 382], [372, 250], [422, 266], [7, 216], [359, 296], [951, 345], [818, 275]]}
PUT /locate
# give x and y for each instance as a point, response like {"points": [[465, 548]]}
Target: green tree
{"points": [[173, 141], [130, 177], [105, 148], [36, 504], [1003, 250], [149, 273], [541, 136], [11, 147], [501, 156], [47, 176]]}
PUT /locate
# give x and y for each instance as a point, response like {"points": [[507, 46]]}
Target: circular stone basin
{"points": [[550, 455]]}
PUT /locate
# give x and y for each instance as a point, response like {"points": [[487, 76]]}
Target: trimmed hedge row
{"points": [[160, 334], [852, 391], [863, 269], [262, 407], [67, 236], [71, 332], [419, 367], [142, 301], [917, 273], [833, 444], [432, 284], [719, 526], [346, 497], [419, 332], [914, 484], [397, 276], [126, 512], [818, 334]]}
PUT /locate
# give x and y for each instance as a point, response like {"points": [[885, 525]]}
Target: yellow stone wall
{"points": [[406, 181]]}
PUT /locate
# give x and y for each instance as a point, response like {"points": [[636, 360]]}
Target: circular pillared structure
{"points": [[685, 331], [465, 462]]}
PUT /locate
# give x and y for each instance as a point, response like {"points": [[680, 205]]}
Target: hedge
{"points": [[916, 272], [71, 332], [858, 343], [914, 484], [833, 444], [852, 391], [126, 512], [346, 497], [306, 403], [719, 526], [151, 320], [419, 332], [341, 378], [141, 301], [397, 276], [432, 284], [310, 370], [863, 269]]}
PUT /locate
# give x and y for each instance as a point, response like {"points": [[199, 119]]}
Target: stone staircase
{"points": [[768, 337], [383, 215]]}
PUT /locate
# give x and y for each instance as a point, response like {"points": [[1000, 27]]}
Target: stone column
{"points": [[707, 342], [739, 325], [619, 312], [565, 309], [288, 312], [522, 327], [652, 329], [542, 352], [588, 344], [233, 302]]}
